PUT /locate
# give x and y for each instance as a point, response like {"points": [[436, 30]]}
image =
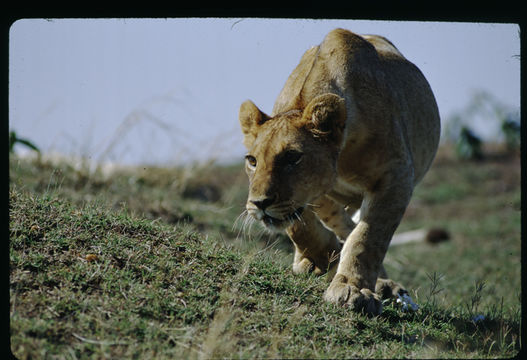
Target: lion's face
{"points": [[291, 159]]}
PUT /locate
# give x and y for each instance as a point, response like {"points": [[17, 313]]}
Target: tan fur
{"points": [[355, 126]]}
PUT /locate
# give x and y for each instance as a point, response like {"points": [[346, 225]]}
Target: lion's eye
{"points": [[293, 157], [251, 161]]}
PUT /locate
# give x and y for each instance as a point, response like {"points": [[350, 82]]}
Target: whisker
{"points": [[245, 217], [261, 233], [313, 205], [296, 214], [299, 217], [269, 238], [248, 224], [235, 224], [269, 245], [257, 236], [280, 209], [312, 210]]}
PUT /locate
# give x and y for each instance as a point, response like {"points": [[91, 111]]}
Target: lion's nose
{"points": [[262, 204]]}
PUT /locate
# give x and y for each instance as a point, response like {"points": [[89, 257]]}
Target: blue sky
{"points": [[168, 91]]}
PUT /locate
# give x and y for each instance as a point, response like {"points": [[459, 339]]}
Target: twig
{"points": [[408, 236], [236, 22], [97, 342], [53, 311]]}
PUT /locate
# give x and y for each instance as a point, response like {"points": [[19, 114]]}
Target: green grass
{"points": [[145, 263]]}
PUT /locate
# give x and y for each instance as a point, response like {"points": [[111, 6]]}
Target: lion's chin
{"points": [[277, 225]]}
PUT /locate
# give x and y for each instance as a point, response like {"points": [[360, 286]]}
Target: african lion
{"points": [[356, 126]]}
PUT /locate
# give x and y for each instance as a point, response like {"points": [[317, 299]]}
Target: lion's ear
{"points": [[325, 116], [250, 119]]}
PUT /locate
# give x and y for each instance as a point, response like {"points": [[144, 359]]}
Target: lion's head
{"points": [[291, 157]]}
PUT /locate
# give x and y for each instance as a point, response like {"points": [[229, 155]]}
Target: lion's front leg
{"points": [[361, 257], [316, 248], [357, 272]]}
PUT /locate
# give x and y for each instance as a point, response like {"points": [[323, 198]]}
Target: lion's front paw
{"points": [[305, 266], [341, 292]]}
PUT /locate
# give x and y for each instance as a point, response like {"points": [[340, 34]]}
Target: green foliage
{"points": [[469, 145], [435, 288], [511, 130], [487, 110]]}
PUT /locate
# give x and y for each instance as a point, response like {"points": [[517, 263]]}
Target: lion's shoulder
{"points": [[382, 45]]}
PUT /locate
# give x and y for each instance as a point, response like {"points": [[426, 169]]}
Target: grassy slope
{"points": [[93, 277]]}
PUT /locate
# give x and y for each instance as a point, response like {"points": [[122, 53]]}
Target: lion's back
{"points": [[381, 78], [380, 86]]}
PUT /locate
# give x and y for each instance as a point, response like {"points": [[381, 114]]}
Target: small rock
{"points": [[435, 236]]}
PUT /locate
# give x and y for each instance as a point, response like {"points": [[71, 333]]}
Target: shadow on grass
{"points": [[446, 329]]}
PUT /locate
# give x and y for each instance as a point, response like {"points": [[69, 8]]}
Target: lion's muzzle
{"points": [[275, 216]]}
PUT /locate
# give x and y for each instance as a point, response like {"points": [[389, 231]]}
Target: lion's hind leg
{"points": [[334, 216], [386, 288]]}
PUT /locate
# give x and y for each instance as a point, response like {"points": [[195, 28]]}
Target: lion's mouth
{"points": [[275, 222]]}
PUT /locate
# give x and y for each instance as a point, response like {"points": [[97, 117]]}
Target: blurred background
{"points": [[167, 91]]}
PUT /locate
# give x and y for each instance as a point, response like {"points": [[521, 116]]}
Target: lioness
{"points": [[356, 126]]}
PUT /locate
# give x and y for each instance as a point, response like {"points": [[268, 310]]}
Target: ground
{"points": [[146, 262]]}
